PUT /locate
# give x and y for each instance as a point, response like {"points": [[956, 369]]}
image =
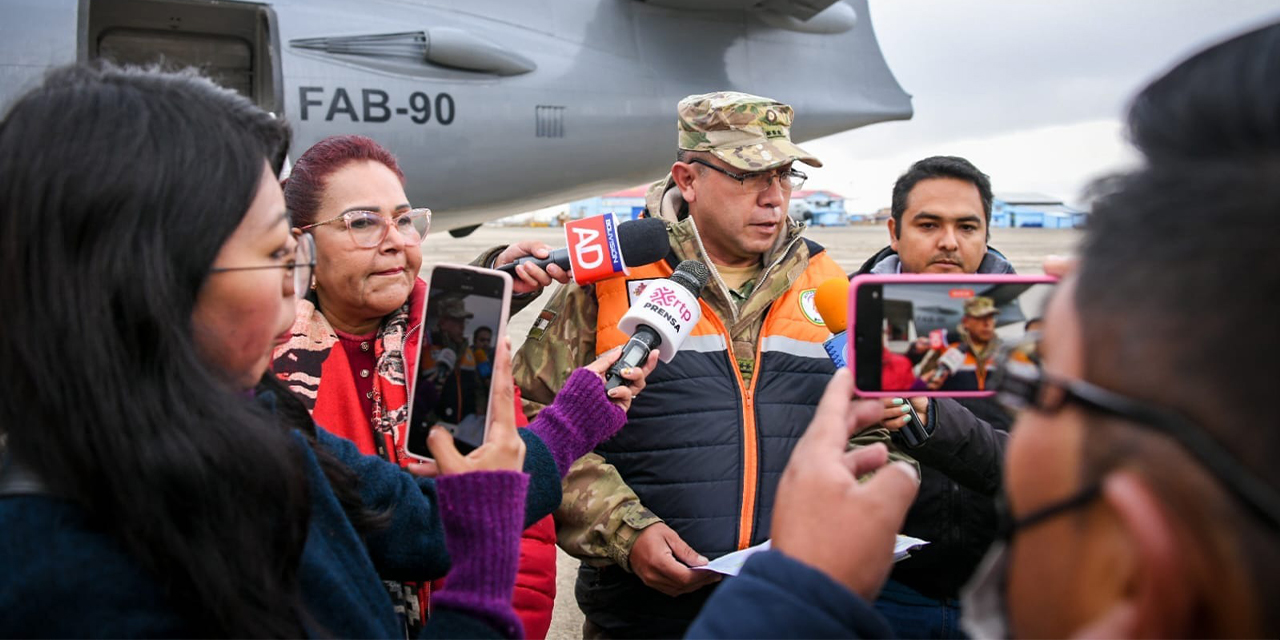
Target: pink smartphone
{"points": [[466, 315], [940, 335]]}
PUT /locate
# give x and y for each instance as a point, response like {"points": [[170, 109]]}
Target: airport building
{"points": [[1034, 210]]}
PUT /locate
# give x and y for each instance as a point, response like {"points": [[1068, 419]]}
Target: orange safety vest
{"points": [[702, 450]]}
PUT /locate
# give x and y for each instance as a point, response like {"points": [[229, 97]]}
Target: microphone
{"points": [[832, 301], [661, 319], [951, 360], [641, 242]]}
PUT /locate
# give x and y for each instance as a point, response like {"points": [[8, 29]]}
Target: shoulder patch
{"points": [[635, 288], [809, 308], [540, 325]]}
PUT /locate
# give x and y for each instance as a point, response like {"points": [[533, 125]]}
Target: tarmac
{"points": [[850, 246]]}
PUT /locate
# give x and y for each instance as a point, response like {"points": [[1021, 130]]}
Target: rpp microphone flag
{"points": [[661, 318], [599, 250], [832, 301]]}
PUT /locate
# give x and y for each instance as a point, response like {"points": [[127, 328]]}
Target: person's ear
{"points": [[893, 233], [684, 174], [1158, 595], [296, 231]]}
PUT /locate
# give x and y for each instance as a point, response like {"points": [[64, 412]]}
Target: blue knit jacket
{"points": [[62, 577]]}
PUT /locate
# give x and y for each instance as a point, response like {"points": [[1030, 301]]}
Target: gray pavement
{"points": [[849, 246]]}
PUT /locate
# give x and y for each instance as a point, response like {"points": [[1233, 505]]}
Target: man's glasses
{"points": [[297, 270], [1023, 385], [368, 229], [790, 179]]}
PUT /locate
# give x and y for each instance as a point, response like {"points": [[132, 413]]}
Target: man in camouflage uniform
{"points": [[706, 441]]}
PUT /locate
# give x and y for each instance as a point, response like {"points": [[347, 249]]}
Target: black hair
{"points": [[1220, 103], [120, 187], [1174, 293], [478, 330], [940, 167]]}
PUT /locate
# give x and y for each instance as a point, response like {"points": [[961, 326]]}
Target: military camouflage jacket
{"points": [[601, 516]]}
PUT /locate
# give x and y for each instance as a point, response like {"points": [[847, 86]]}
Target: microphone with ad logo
{"points": [[661, 319], [600, 249], [832, 302]]}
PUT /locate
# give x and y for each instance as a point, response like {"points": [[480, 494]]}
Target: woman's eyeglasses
{"points": [[368, 229], [297, 270]]}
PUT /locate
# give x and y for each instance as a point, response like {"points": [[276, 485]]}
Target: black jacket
{"points": [[961, 468]]}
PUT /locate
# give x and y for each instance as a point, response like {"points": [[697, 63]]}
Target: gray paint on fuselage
{"points": [[617, 67]]}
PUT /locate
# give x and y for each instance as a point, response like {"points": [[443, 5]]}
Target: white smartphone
{"points": [[466, 315]]}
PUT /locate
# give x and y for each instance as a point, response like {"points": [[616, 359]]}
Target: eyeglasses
{"points": [[297, 271], [789, 180], [368, 229], [1025, 385]]}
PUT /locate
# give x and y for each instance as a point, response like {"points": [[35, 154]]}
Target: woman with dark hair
{"points": [[353, 349], [154, 484]]}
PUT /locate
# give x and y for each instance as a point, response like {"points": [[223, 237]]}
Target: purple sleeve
{"points": [[580, 418], [483, 516]]}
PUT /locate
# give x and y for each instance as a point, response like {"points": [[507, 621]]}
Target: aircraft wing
{"points": [[799, 9]]}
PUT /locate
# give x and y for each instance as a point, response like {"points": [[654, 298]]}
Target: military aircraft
{"points": [[492, 106]]}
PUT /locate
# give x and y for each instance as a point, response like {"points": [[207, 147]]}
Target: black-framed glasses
{"points": [[297, 270], [790, 179], [368, 229], [1024, 385]]}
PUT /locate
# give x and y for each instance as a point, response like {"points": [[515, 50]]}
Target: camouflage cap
{"points": [[749, 132], [454, 308], [980, 307]]}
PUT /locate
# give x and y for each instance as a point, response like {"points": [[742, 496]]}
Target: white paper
{"points": [[731, 564], [903, 545]]}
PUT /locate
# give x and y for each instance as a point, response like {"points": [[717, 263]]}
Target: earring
{"points": [[313, 283]]}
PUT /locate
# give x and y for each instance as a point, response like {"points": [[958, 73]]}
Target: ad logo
{"points": [[590, 253], [594, 252]]}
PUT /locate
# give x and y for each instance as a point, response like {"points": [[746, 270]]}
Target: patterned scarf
{"points": [[312, 353]]}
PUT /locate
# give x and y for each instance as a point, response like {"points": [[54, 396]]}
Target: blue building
{"points": [[819, 208], [1034, 210], [625, 205]]}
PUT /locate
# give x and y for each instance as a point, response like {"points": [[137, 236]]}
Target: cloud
{"points": [[1058, 160], [1032, 92]]}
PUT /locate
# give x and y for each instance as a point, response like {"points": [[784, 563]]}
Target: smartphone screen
{"points": [[466, 314], [943, 336]]}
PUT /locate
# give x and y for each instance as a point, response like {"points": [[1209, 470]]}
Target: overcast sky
{"points": [[1031, 91]]}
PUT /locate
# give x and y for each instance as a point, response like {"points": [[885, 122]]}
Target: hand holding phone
{"points": [[466, 309], [901, 416]]}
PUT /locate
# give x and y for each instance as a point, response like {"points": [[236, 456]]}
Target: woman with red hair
{"points": [[354, 342]]}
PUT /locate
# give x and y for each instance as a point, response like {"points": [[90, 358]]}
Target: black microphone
{"points": [[641, 241], [661, 317]]}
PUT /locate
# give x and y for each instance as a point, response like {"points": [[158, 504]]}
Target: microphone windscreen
{"points": [[643, 241], [832, 301], [693, 275]]}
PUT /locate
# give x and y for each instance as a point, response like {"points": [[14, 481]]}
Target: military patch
{"points": [[637, 287], [775, 132], [809, 308], [540, 325]]}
